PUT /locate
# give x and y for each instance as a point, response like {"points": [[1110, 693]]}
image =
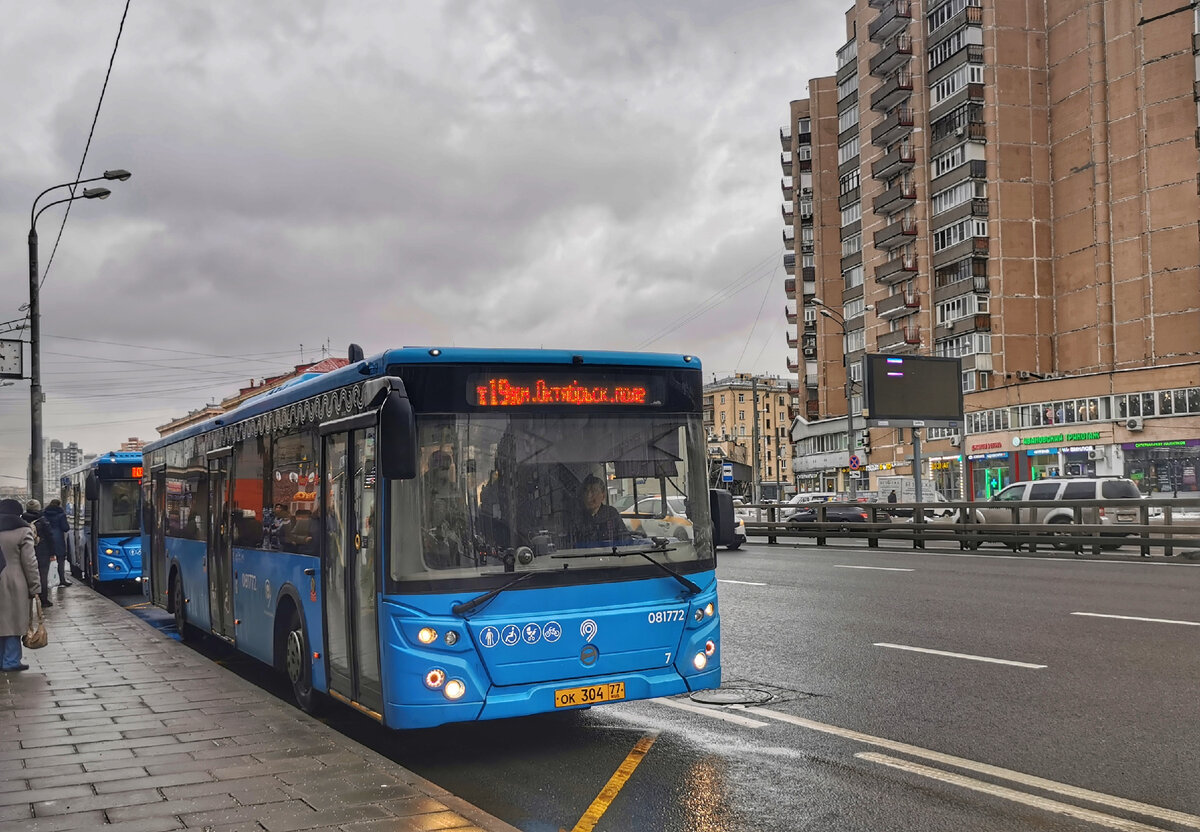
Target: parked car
{"points": [[739, 533], [834, 514], [656, 517], [1120, 491], [933, 512]]}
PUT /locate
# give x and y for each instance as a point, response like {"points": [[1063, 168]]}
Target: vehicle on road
{"points": [[658, 517], [1121, 492], [429, 535], [103, 501], [835, 514]]}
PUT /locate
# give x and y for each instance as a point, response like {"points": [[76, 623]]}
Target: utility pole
{"points": [[757, 471]]}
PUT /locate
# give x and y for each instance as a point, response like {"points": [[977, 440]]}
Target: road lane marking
{"points": [[960, 655], [743, 583], [714, 712], [1043, 803], [138, 606], [613, 787], [1148, 809], [1136, 618], [880, 568]]}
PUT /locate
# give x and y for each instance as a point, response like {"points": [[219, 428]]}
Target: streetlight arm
{"points": [[33, 218]]}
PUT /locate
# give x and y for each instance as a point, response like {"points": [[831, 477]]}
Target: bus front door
{"points": [[220, 549], [349, 566], [157, 527]]}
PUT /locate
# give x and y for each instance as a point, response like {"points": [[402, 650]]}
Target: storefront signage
{"points": [[1165, 443], [1043, 452], [941, 465], [1084, 436], [994, 455], [879, 466], [987, 446]]}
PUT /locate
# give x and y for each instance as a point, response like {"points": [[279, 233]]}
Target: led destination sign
{"points": [[523, 390]]}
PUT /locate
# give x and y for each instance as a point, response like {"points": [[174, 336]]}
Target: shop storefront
{"points": [[947, 475], [1163, 467], [989, 472]]}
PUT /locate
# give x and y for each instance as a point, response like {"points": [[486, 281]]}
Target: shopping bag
{"points": [[35, 638], [52, 574]]}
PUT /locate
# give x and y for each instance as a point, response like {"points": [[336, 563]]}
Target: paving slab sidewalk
{"points": [[117, 724]]}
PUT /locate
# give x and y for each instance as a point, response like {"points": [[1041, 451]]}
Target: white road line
{"points": [[960, 655], [714, 712], [1064, 789], [1043, 803], [1136, 618], [743, 583], [880, 568]]}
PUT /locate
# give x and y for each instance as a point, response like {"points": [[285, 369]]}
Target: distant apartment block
{"points": [[1012, 183], [731, 406]]}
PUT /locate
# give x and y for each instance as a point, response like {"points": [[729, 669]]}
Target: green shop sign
{"points": [[1086, 436]]}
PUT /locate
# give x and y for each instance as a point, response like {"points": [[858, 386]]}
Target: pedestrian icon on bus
{"points": [[510, 635], [490, 636]]}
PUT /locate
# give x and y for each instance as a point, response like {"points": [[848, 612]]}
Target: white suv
{"points": [[1122, 491]]}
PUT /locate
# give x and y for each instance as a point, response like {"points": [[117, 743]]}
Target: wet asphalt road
{"points": [[1106, 704]]}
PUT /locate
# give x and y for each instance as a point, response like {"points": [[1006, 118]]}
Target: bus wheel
{"points": [[181, 624], [298, 663]]}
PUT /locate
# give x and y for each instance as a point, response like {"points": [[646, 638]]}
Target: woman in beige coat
{"points": [[19, 583]]}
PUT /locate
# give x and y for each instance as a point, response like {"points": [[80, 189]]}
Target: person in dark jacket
{"points": [[56, 520], [18, 583], [43, 546]]}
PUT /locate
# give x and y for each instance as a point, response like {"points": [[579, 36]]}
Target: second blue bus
{"points": [[102, 499]]}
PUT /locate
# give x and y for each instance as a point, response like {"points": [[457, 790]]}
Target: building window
{"points": [[741, 415], [942, 14], [741, 397], [851, 214], [958, 194], [847, 87], [963, 306], [847, 53], [975, 343], [804, 152], [803, 125], [851, 309], [848, 183], [955, 81], [953, 44], [853, 276], [847, 118], [952, 235], [848, 151], [852, 244], [856, 339]]}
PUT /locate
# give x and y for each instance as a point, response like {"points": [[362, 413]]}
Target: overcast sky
{"points": [[523, 174]]}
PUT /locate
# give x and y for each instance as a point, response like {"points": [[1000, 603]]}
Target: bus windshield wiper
{"points": [[479, 601], [692, 588]]}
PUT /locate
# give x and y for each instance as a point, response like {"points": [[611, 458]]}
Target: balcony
{"points": [[806, 209], [789, 287], [891, 19], [809, 287], [983, 323], [898, 268], [809, 273], [785, 138], [887, 340], [812, 410], [789, 237], [899, 122], [900, 159], [896, 234], [912, 334], [785, 162], [809, 346], [891, 55], [785, 185], [970, 247], [893, 91], [901, 303], [970, 16], [896, 198], [810, 380], [979, 206], [789, 262], [790, 314], [982, 284], [793, 365], [792, 341], [786, 210]]}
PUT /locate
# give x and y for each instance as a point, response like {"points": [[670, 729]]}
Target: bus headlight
{"points": [[710, 610], [455, 689], [435, 678], [108, 551], [699, 614], [451, 638], [709, 648], [700, 661], [427, 635]]}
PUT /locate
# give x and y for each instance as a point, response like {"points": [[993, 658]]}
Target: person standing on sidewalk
{"points": [[56, 521], [19, 583], [43, 546]]}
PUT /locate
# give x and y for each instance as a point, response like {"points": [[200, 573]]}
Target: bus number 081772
{"points": [[663, 616]]}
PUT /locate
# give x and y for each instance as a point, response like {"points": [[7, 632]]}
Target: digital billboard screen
{"points": [[913, 390]]}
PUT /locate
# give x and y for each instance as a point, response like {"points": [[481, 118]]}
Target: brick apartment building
{"points": [[730, 404], [1013, 183]]}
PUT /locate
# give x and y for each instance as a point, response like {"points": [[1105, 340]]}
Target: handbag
{"points": [[35, 637]]}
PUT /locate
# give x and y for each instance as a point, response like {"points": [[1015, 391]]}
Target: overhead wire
{"points": [[754, 326]]}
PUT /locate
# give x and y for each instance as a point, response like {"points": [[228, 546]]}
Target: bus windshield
{"points": [[118, 507], [503, 493]]}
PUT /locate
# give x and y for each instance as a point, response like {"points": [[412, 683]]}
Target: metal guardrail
{"points": [[1176, 527]]}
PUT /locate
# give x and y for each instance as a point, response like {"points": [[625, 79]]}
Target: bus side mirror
{"points": [[91, 487], [397, 438], [720, 502]]}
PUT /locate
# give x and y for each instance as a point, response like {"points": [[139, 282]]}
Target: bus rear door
{"points": [[349, 568]]}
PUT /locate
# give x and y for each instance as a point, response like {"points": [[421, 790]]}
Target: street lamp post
{"points": [[838, 319], [35, 361]]}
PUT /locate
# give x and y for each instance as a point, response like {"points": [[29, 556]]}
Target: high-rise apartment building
{"points": [[730, 406], [57, 459], [1013, 183]]}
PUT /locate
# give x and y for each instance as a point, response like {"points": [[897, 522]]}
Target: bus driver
{"points": [[597, 521]]}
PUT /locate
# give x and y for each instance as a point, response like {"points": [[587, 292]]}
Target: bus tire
{"points": [[298, 665], [179, 606]]}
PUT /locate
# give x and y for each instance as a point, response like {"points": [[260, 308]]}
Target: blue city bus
{"points": [[411, 535], [102, 499]]}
